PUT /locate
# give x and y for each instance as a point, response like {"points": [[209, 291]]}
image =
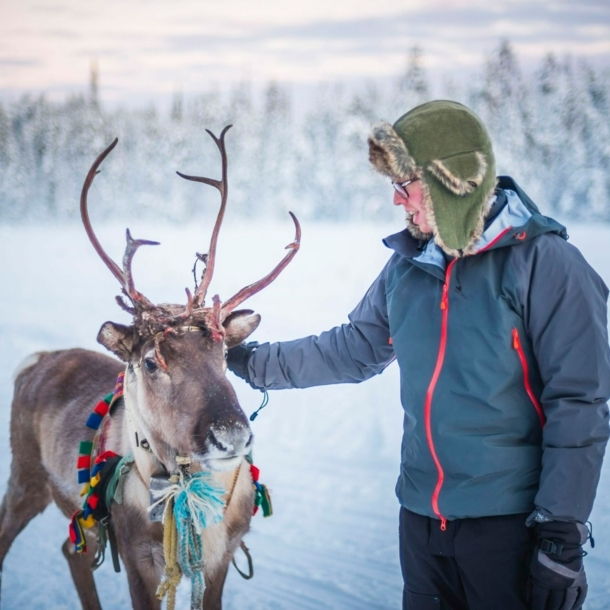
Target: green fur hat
{"points": [[446, 146]]}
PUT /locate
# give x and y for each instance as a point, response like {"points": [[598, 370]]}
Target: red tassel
{"points": [[93, 501], [102, 457], [72, 534], [101, 408], [84, 461], [255, 472]]}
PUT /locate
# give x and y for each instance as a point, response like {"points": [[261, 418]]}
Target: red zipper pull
{"points": [[443, 524], [515, 338], [444, 297]]}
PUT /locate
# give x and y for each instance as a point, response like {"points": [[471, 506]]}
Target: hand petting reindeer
{"points": [[171, 442]]}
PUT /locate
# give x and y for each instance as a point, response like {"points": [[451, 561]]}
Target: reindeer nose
{"points": [[225, 447], [229, 442]]}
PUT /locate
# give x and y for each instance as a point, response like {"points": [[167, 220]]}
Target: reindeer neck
{"points": [[132, 440]]}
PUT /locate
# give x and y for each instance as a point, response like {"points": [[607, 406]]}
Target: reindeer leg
{"points": [[25, 498], [142, 578], [212, 598], [82, 575], [141, 550]]}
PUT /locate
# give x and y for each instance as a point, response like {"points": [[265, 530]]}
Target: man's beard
{"points": [[415, 231]]}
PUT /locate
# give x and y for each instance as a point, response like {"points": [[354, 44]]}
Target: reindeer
{"points": [[177, 406]]}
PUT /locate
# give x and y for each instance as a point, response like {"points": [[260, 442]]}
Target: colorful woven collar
{"points": [[92, 460]]}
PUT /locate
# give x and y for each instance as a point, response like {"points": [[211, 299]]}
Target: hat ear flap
{"points": [[461, 174]]}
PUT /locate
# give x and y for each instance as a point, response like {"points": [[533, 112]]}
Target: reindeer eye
{"points": [[150, 365]]}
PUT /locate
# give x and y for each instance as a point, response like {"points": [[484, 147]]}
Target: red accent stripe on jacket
{"points": [[495, 240], [430, 393], [526, 379]]}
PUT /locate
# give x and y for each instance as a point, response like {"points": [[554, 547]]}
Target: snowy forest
{"points": [[550, 127]]}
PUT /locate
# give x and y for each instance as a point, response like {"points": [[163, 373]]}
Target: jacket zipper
{"points": [[526, 380], [437, 371], [430, 393]]}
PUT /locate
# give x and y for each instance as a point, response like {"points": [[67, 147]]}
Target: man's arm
{"points": [[349, 353], [565, 314]]}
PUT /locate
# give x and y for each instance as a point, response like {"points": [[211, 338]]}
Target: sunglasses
{"points": [[401, 187]]}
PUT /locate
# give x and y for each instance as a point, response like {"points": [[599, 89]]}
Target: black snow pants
{"points": [[475, 564]]}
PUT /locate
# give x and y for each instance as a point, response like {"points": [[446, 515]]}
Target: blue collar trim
{"points": [[513, 215]]}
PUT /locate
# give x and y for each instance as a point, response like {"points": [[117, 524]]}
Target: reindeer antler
{"points": [[248, 291], [210, 258], [153, 319], [125, 276], [222, 186]]}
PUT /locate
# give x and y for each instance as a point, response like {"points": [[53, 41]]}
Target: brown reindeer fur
{"points": [[53, 398], [176, 397]]}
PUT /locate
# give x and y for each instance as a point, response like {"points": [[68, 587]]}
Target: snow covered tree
{"points": [[551, 131]]}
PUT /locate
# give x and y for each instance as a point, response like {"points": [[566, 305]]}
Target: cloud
{"points": [[22, 63], [534, 22], [161, 46], [64, 33]]}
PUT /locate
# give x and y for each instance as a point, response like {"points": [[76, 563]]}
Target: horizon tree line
{"points": [[551, 132]]}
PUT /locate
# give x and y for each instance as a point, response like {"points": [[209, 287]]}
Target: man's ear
{"points": [[239, 325], [118, 339]]}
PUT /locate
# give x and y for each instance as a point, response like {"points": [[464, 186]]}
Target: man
{"points": [[499, 328]]}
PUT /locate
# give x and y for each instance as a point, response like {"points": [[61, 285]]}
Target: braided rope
{"points": [[193, 502], [173, 574]]}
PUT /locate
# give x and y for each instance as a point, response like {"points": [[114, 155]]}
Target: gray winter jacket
{"points": [[504, 361]]}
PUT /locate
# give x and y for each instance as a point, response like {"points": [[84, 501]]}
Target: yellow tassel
{"points": [[96, 479], [85, 489], [88, 522], [173, 573]]}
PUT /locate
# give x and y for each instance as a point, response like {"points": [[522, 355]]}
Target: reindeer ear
{"points": [[117, 338], [239, 325]]}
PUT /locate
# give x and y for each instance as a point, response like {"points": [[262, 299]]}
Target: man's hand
{"points": [[557, 575], [237, 360]]}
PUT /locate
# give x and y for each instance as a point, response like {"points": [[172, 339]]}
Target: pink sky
{"points": [[156, 47]]}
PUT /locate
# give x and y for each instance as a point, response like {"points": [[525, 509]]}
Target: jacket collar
{"points": [[513, 219]]}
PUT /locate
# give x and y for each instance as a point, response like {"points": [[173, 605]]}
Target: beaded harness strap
{"points": [[99, 471]]}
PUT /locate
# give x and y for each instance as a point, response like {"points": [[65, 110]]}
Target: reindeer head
{"points": [[177, 397]]}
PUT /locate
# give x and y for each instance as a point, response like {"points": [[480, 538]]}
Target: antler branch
{"points": [[124, 277], [248, 291], [130, 251], [84, 213], [222, 186]]}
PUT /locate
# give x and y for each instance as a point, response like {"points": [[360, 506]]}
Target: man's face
{"points": [[414, 205]]}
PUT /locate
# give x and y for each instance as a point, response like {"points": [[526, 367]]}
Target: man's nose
{"points": [[399, 199]]}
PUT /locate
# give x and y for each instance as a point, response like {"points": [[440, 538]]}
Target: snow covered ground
{"points": [[330, 455]]}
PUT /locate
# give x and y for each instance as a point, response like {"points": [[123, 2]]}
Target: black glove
{"points": [[557, 574], [237, 360]]}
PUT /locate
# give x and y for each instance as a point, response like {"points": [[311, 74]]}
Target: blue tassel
{"points": [[83, 476], [197, 505], [94, 420], [97, 468], [206, 499]]}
